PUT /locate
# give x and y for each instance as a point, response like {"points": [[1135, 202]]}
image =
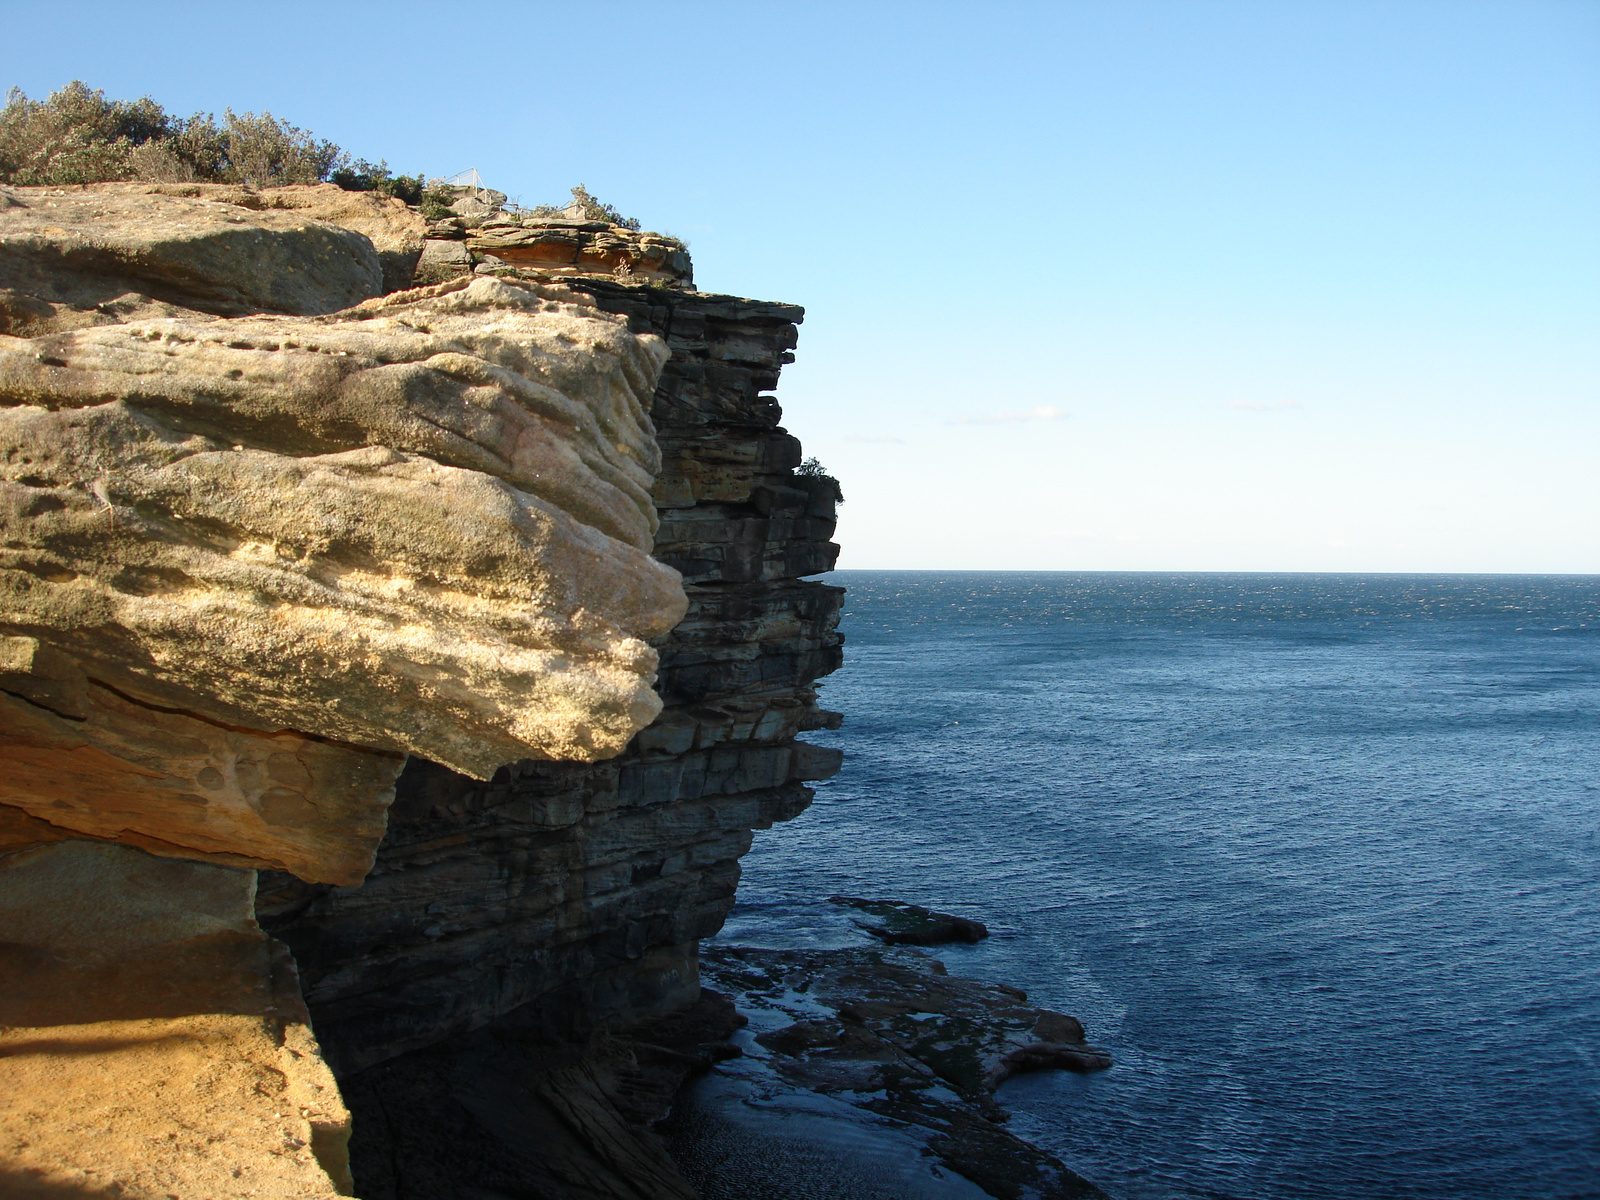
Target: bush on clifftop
{"points": [[78, 136], [586, 207]]}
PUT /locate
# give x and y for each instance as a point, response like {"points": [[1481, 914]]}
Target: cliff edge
{"points": [[272, 529]]}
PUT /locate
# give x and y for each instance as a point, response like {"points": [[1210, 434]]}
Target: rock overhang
{"points": [[418, 525]]}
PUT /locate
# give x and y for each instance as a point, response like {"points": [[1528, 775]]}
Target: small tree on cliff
{"points": [[812, 469]]}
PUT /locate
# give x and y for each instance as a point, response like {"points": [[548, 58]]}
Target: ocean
{"points": [[1316, 857]]}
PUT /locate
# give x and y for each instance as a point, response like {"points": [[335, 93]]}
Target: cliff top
{"points": [[78, 138]]}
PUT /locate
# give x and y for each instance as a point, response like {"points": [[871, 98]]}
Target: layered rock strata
{"points": [[267, 531], [420, 524], [263, 533], [586, 888], [555, 247], [560, 900]]}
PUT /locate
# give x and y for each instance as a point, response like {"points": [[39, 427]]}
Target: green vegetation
{"points": [[587, 208], [812, 469], [78, 136], [435, 203], [363, 176]]}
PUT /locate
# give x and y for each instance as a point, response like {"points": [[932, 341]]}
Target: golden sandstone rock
{"points": [[152, 1038], [421, 525], [93, 255], [265, 531]]}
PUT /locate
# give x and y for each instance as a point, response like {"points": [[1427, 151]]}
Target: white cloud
{"points": [[1039, 412], [1257, 406]]}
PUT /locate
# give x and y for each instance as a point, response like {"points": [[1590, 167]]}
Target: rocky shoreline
{"points": [[851, 1073], [883, 1060]]}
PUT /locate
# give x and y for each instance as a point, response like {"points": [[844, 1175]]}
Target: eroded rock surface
{"points": [[417, 526], [152, 1038], [264, 532], [575, 891], [175, 784], [97, 255]]}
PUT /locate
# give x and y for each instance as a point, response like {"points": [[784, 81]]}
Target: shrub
{"points": [[435, 203], [362, 176], [587, 208], [78, 136], [812, 469]]}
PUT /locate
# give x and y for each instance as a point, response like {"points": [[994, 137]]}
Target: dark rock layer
{"points": [[499, 1112], [900, 924], [585, 887]]}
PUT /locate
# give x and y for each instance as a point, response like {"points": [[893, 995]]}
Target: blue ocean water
{"points": [[1316, 857]]}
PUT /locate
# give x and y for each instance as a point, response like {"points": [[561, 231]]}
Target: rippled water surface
{"points": [[1316, 857]]}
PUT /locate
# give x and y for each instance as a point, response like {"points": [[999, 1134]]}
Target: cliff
{"points": [[367, 588], [603, 877], [562, 899]]}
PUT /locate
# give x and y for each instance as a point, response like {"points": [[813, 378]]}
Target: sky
{"points": [[1230, 286]]}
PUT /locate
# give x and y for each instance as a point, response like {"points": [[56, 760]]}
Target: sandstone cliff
{"points": [[287, 541], [559, 899]]}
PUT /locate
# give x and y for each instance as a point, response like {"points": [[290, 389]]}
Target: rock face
{"points": [[264, 532], [293, 561], [152, 1038], [95, 255], [554, 247], [419, 525], [422, 515], [585, 888], [484, 1114], [175, 784]]}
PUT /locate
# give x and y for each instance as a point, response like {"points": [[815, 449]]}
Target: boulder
{"points": [[104, 253], [897, 923], [443, 259], [395, 230]]}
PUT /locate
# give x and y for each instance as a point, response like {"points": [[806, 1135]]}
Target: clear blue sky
{"points": [[1204, 286]]}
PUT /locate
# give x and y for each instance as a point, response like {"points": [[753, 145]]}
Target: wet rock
{"points": [[897, 923], [970, 1034], [880, 1048]]}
